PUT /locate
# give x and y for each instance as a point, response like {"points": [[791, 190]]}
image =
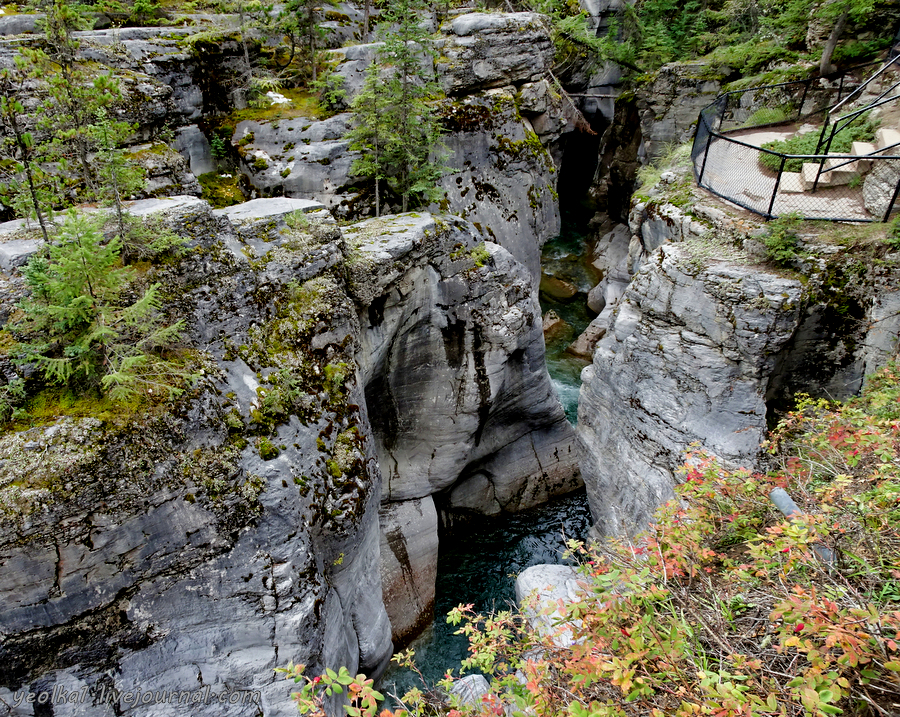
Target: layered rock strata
{"points": [[241, 530], [457, 390], [687, 358], [200, 548], [708, 339]]}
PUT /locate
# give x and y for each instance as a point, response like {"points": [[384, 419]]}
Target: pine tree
{"points": [[79, 332], [72, 98], [119, 178], [373, 131], [410, 156], [26, 186], [299, 23], [67, 121]]}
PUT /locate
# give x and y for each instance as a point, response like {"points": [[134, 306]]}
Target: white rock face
{"points": [[880, 343], [409, 553], [455, 379], [502, 179], [183, 558], [492, 50], [687, 358], [540, 588]]}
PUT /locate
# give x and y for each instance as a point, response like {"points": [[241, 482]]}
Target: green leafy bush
{"points": [[862, 129], [724, 607], [781, 241], [893, 235]]}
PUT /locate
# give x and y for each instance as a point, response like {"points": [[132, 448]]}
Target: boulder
{"points": [[583, 346], [552, 325], [539, 589], [14, 253], [19, 24], [557, 288], [484, 50], [596, 298], [879, 187], [470, 689]]}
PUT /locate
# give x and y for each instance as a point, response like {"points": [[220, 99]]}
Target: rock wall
{"points": [[500, 176], [707, 340], [459, 397], [687, 358], [170, 551], [202, 547], [669, 105]]}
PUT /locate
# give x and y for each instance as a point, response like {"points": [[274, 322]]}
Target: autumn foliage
{"points": [[725, 607]]}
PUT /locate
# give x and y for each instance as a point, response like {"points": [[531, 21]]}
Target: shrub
{"points": [[781, 241], [218, 147], [893, 235], [79, 331], [861, 129], [724, 607]]}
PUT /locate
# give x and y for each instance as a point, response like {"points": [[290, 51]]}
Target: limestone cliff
{"points": [[709, 341], [686, 359], [203, 546]]}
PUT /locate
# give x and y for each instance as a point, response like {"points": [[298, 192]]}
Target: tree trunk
{"points": [[365, 32], [29, 175], [825, 66]]}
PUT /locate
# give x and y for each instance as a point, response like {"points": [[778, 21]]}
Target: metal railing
{"points": [[846, 187]]}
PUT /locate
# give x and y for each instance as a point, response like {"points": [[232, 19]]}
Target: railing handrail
{"points": [[714, 115]]}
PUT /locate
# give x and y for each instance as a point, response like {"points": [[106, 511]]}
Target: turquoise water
{"points": [[565, 258], [479, 565]]}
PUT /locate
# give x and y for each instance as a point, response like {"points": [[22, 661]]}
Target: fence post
{"points": [[890, 207], [822, 133], [775, 190], [825, 152], [709, 139]]}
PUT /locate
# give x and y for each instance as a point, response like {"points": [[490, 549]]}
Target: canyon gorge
{"points": [[365, 386]]}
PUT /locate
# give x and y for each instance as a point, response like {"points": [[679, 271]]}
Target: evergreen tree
{"points": [[401, 129], [119, 178], [75, 99], [297, 21], [72, 98], [26, 186], [373, 131], [79, 331]]}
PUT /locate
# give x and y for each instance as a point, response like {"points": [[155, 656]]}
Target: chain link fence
{"points": [[729, 163]]}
